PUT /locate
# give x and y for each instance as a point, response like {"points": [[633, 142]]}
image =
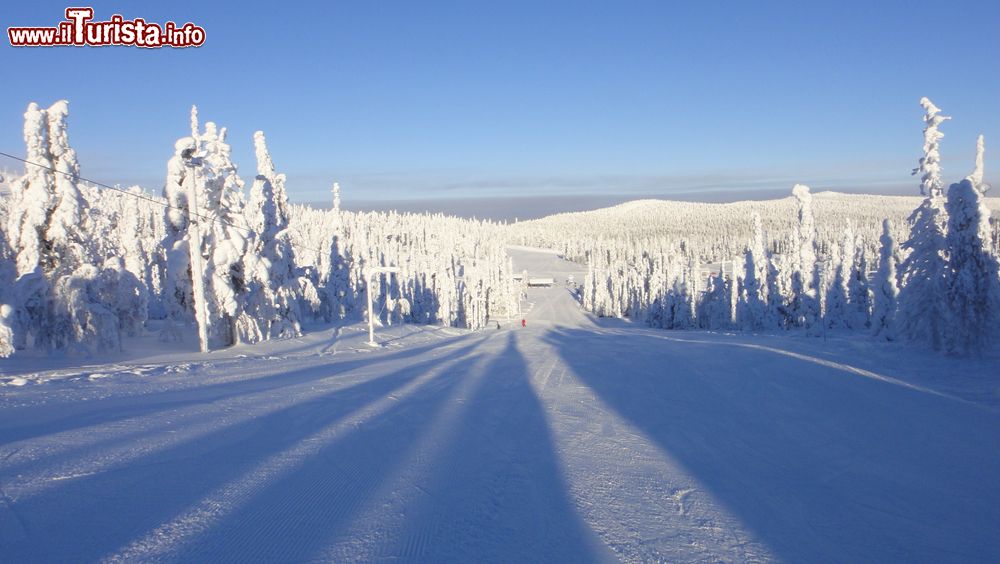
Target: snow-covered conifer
{"points": [[921, 313], [835, 275], [930, 164], [886, 289], [178, 297], [849, 286], [715, 312], [66, 225], [275, 288], [223, 240], [753, 301], [805, 300], [33, 196], [57, 302], [977, 173], [972, 283], [859, 293], [778, 288]]}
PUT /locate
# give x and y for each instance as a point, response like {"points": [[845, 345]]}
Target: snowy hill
{"points": [[721, 230]]}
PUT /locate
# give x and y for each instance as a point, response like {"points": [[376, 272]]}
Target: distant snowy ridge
{"points": [[728, 223]]}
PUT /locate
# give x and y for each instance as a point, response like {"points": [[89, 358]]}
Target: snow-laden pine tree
{"points": [[57, 298], [859, 295], [714, 311], [847, 302], [66, 230], [972, 297], [30, 205], [752, 310], [977, 173], [778, 289], [682, 312], [336, 291], [886, 287], [276, 293], [33, 198], [218, 219], [921, 307], [805, 298], [224, 239], [178, 287], [836, 273]]}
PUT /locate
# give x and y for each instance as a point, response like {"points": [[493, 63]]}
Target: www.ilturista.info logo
{"points": [[78, 30]]}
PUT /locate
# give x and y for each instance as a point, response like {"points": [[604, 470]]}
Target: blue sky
{"points": [[409, 100]]}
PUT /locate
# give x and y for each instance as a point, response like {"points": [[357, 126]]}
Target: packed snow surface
{"points": [[572, 439]]}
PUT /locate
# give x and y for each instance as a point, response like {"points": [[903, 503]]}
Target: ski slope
{"points": [[572, 439]]}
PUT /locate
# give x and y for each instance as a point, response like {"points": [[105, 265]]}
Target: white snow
{"points": [[572, 439]]}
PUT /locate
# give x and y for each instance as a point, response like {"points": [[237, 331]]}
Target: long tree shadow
{"points": [[26, 423], [194, 412], [494, 492], [292, 517], [818, 464], [497, 493], [85, 518]]}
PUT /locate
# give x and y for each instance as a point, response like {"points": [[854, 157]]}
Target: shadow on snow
{"points": [[87, 517], [818, 464]]}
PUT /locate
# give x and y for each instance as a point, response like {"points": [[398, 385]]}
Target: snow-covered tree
{"points": [[33, 197], [805, 298], [715, 312], [836, 275], [859, 294], [930, 164], [778, 289], [218, 219], [178, 298], [277, 291], [977, 173], [921, 313], [336, 292], [886, 290], [66, 229], [58, 303], [752, 310], [972, 295]]}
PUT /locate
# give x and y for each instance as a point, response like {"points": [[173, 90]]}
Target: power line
{"points": [[130, 193], [167, 205]]}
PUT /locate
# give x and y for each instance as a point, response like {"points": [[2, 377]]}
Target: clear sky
{"points": [[406, 100]]}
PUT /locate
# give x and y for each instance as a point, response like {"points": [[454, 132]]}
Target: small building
{"points": [[540, 282]]}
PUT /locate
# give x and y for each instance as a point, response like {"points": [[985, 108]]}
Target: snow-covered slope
{"points": [[721, 231], [572, 439]]}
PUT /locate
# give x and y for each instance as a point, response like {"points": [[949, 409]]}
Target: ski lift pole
{"points": [[370, 274], [192, 162]]}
